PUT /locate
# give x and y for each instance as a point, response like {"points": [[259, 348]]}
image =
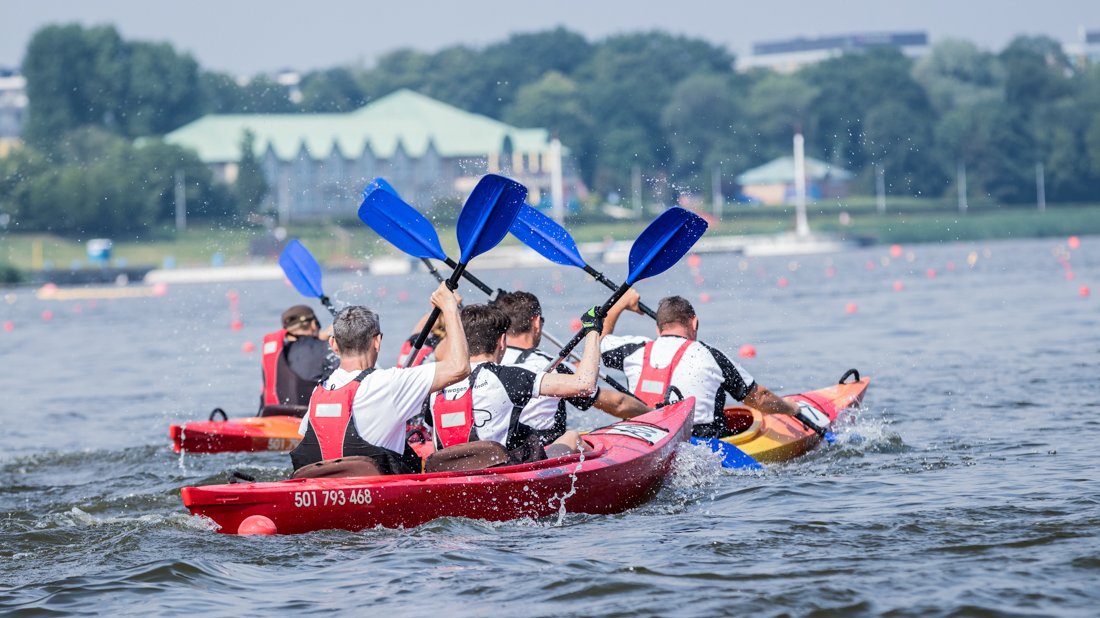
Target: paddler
{"points": [[487, 405], [545, 417], [676, 366], [295, 358], [360, 410]]}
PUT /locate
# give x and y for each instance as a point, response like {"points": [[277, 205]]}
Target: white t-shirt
{"points": [[541, 411], [386, 399], [498, 389], [704, 372]]}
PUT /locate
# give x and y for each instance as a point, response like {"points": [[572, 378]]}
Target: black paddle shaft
{"points": [[611, 286], [452, 284], [328, 304], [478, 283], [602, 311]]}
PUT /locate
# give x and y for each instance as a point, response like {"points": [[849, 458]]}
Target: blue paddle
{"points": [[482, 224], [304, 273], [549, 239], [425, 243], [732, 457], [659, 246]]}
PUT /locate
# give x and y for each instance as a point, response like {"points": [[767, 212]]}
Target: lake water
{"points": [[968, 485]]}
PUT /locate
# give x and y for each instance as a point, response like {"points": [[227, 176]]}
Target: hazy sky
{"points": [[250, 36]]}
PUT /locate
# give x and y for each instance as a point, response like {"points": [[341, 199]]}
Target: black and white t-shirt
{"points": [[542, 412], [704, 372], [497, 390]]}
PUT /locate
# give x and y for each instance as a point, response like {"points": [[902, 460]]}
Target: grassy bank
{"points": [[908, 221]]}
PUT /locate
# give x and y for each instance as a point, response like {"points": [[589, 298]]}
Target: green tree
{"points": [[705, 126], [777, 105], [1036, 71], [331, 90], [956, 73], [554, 102], [251, 186]]}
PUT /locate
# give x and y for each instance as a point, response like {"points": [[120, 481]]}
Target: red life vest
{"points": [[272, 351], [654, 383], [453, 419], [330, 416], [406, 350]]}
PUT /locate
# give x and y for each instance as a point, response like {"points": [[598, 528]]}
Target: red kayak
{"points": [[626, 468]]}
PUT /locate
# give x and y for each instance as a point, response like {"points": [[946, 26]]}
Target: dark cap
{"points": [[298, 315]]}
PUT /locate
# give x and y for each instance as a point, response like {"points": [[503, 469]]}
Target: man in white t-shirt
{"points": [[362, 411], [487, 405], [546, 416], [677, 366]]}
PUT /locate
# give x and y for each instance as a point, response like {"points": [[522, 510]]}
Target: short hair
{"points": [[521, 308], [354, 328], [483, 325], [674, 310]]}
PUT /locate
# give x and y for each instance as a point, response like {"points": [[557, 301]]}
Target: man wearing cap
{"points": [[295, 359]]}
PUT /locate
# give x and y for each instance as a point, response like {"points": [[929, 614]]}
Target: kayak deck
{"points": [[775, 438], [626, 468], [248, 434]]}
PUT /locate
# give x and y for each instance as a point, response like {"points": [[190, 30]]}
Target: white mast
{"points": [[801, 226], [557, 201]]}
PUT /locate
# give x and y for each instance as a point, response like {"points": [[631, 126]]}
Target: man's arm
{"points": [[629, 301], [583, 382], [619, 404], [456, 365], [762, 399]]}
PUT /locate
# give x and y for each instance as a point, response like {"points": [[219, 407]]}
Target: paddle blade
{"points": [[732, 457], [487, 214], [380, 183], [391, 218], [546, 237], [301, 269], [663, 243]]}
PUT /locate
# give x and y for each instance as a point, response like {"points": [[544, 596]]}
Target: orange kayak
{"points": [[248, 434]]}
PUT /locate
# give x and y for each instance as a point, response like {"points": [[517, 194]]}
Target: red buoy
{"points": [[1084, 291], [1069, 275], [257, 524], [9, 326], [402, 296], [1074, 242], [782, 282], [575, 325], [160, 289], [851, 308], [248, 347], [47, 315], [931, 273], [747, 351], [895, 251], [236, 325], [693, 260], [704, 297], [898, 286]]}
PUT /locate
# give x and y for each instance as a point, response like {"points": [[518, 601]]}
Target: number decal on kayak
{"points": [[331, 497]]}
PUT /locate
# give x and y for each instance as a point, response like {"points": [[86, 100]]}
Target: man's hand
{"points": [[812, 417], [592, 321], [444, 298], [629, 301]]}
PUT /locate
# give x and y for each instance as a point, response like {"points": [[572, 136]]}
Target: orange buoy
{"points": [[1074, 242], [575, 324], [747, 351], [257, 524], [47, 315], [895, 251], [236, 325], [704, 297], [9, 326], [851, 308], [248, 347], [1083, 291], [898, 286], [693, 260], [782, 282]]}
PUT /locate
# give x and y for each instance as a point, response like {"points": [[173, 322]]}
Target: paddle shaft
{"points": [[602, 311], [611, 286], [452, 284], [328, 304]]}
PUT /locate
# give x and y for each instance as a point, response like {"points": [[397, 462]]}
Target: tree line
{"points": [[670, 105]]}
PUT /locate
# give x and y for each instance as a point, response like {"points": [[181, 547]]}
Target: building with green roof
{"points": [[316, 165], [773, 182]]}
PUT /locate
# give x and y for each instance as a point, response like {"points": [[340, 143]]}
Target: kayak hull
{"points": [[775, 438], [248, 434], [626, 469]]}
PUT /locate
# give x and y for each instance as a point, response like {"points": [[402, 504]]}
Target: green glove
{"points": [[592, 321]]}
